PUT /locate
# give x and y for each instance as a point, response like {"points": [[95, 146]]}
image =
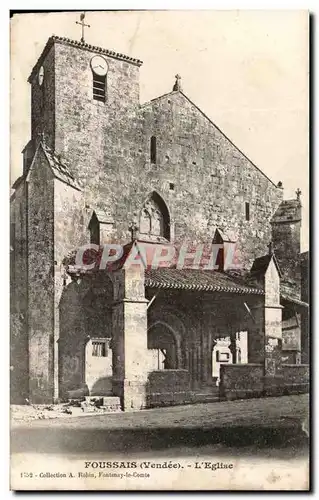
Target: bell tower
{"points": [[286, 225], [83, 101]]}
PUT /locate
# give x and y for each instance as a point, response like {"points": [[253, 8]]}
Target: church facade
{"points": [[102, 168]]}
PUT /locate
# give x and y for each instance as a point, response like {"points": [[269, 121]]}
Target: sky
{"points": [[246, 70]]}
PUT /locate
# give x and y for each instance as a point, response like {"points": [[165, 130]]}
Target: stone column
{"points": [[206, 347], [273, 340], [265, 336], [59, 279], [304, 340], [273, 327], [232, 346], [129, 332], [194, 364], [256, 333]]}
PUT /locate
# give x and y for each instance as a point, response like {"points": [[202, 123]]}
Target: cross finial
{"points": [[133, 229], [178, 83], [82, 23], [270, 248], [298, 193]]}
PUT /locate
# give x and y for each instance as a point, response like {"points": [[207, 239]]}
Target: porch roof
{"points": [[198, 280], [210, 281]]}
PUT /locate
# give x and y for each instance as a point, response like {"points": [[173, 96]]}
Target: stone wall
{"points": [[305, 313], [168, 387], [203, 178], [19, 365], [212, 179], [99, 139], [241, 381], [296, 378], [43, 103], [41, 280], [108, 148], [286, 241], [69, 233], [244, 381], [84, 312]]}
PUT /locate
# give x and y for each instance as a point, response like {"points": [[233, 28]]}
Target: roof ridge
{"points": [[82, 45], [159, 97]]}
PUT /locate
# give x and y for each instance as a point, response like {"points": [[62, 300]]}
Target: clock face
{"points": [[99, 65], [41, 75]]}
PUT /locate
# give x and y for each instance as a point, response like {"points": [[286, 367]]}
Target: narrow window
{"points": [[94, 227], [99, 87], [171, 186], [99, 349], [247, 210], [153, 149]]}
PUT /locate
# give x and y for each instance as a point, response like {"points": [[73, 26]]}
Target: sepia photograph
{"points": [[159, 250]]}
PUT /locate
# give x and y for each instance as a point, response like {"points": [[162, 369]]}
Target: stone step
{"points": [[101, 404], [210, 395], [205, 398]]}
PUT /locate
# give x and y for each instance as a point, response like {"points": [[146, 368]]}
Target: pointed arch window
{"points": [[154, 219]]}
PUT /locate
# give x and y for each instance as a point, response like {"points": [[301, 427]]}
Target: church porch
{"points": [[228, 336], [197, 322], [168, 336], [190, 335]]}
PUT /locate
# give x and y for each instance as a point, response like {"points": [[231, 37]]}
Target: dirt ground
{"points": [[285, 410]]}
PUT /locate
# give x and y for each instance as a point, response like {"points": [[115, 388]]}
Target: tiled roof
{"points": [[17, 182], [197, 280], [59, 169], [171, 278], [288, 211], [81, 45], [293, 299]]}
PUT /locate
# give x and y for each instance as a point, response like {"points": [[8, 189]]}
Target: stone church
{"points": [[101, 167]]}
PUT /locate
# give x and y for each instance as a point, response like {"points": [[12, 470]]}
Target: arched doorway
{"points": [[164, 347]]}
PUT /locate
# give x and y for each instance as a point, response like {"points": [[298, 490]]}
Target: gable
{"points": [[178, 109], [265, 264]]}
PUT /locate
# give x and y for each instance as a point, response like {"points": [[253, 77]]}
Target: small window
{"points": [[99, 349], [12, 234], [153, 149], [222, 357], [94, 227], [247, 211], [99, 87], [171, 186]]}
